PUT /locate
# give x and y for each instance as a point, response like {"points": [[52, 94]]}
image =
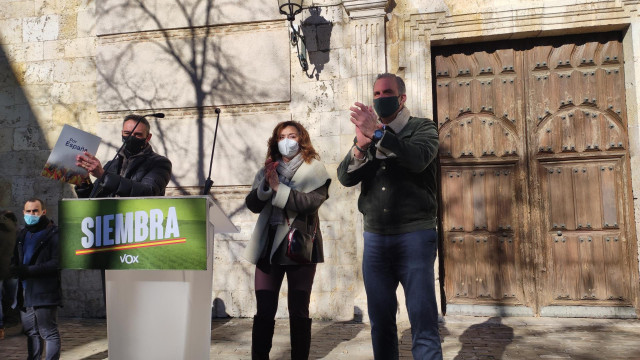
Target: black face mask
{"points": [[386, 106], [134, 145]]}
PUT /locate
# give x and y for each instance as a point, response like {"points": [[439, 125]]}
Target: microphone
{"points": [[208, 183], [99, 183]]}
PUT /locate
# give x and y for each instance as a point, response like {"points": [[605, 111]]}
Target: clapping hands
{"points": [[366, 122], [364, 118]]}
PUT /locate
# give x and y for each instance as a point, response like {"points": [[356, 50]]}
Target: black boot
{"points": [[300, 330], [261, 336]]}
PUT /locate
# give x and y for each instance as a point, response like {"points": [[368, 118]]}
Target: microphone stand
{"points": [[98, 183], [208, 183]]}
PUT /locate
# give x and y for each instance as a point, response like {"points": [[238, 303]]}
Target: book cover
{"points": [[61, 164]]}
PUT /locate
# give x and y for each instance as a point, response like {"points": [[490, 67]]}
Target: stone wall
{"points": [[47, 79], [87, 64]]}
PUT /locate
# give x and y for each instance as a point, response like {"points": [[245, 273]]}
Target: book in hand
{"points": [[61, 164]]}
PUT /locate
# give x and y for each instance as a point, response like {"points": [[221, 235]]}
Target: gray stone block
{"points": [[114, 15], [28, 138], [233, 76], [40, 29]]}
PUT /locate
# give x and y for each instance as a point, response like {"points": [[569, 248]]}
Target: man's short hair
{"points": [[142, 119], [402, 89], [34, 199]]}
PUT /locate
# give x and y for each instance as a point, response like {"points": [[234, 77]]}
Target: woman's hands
{"points": [[271, 175]]}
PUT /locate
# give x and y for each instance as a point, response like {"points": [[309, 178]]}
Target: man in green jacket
{"points": [[393, 157]]}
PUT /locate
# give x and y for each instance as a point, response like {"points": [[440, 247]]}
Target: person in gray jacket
{"points": [[287, 193], [393, 158]]}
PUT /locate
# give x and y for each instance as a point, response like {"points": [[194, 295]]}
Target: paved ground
{"points": [[462, 338]]}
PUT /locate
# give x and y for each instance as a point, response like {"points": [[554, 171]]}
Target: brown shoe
{"points": [[1, 334]]}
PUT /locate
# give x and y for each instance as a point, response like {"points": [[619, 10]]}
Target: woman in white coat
{"points": [[287, 192]]}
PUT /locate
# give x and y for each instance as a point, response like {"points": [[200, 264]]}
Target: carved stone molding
{"points": [[547, 20], [410, 55], [368, 54], [207, 111], [358, 9], [188, 33]]}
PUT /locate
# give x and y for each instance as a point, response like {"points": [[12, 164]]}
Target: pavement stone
{"points": [[463, 337]]}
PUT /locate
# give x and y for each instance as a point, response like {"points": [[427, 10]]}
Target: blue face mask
{"points": [[31, 219]]}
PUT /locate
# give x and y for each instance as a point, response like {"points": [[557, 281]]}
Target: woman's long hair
{"points": [[304, 142]]}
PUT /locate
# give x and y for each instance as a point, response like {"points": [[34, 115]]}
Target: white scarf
{"points": [[285, 170]]}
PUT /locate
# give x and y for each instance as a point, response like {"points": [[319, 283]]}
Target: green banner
{"points": [[155, 233]]}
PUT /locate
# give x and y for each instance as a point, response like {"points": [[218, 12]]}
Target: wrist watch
{"points": [[379, 133]]}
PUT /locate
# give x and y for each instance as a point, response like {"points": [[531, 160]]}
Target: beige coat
{"points": [[301, 199]]}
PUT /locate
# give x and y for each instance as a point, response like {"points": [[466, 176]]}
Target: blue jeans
{"points": [[407, 259], [40, 323]]}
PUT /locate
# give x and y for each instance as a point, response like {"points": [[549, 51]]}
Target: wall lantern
{"points": [[291, 8]]}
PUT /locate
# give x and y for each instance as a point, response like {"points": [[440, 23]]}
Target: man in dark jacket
{"points": [[137, 170], [36, 265], [393, 157]]}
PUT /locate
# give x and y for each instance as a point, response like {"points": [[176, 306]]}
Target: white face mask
{"points": [[288, 147]]}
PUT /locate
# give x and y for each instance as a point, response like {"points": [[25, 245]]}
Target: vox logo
{"points": [[129, 259]]}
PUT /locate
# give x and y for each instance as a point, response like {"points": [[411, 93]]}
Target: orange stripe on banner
{"points": [[132, 246]]}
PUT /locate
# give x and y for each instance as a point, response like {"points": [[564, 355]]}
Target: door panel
{"points": [[584, 241], [580, 178], [458, 284], [560, 199], [478, 225], [615, 271], [534, 173], [480, 118], [609, 196], [564, 267]]}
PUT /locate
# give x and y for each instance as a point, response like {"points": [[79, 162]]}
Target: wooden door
{"points": [[535, 184]]}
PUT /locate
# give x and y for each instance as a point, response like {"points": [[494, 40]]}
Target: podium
{"points": [[162, 309]]}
